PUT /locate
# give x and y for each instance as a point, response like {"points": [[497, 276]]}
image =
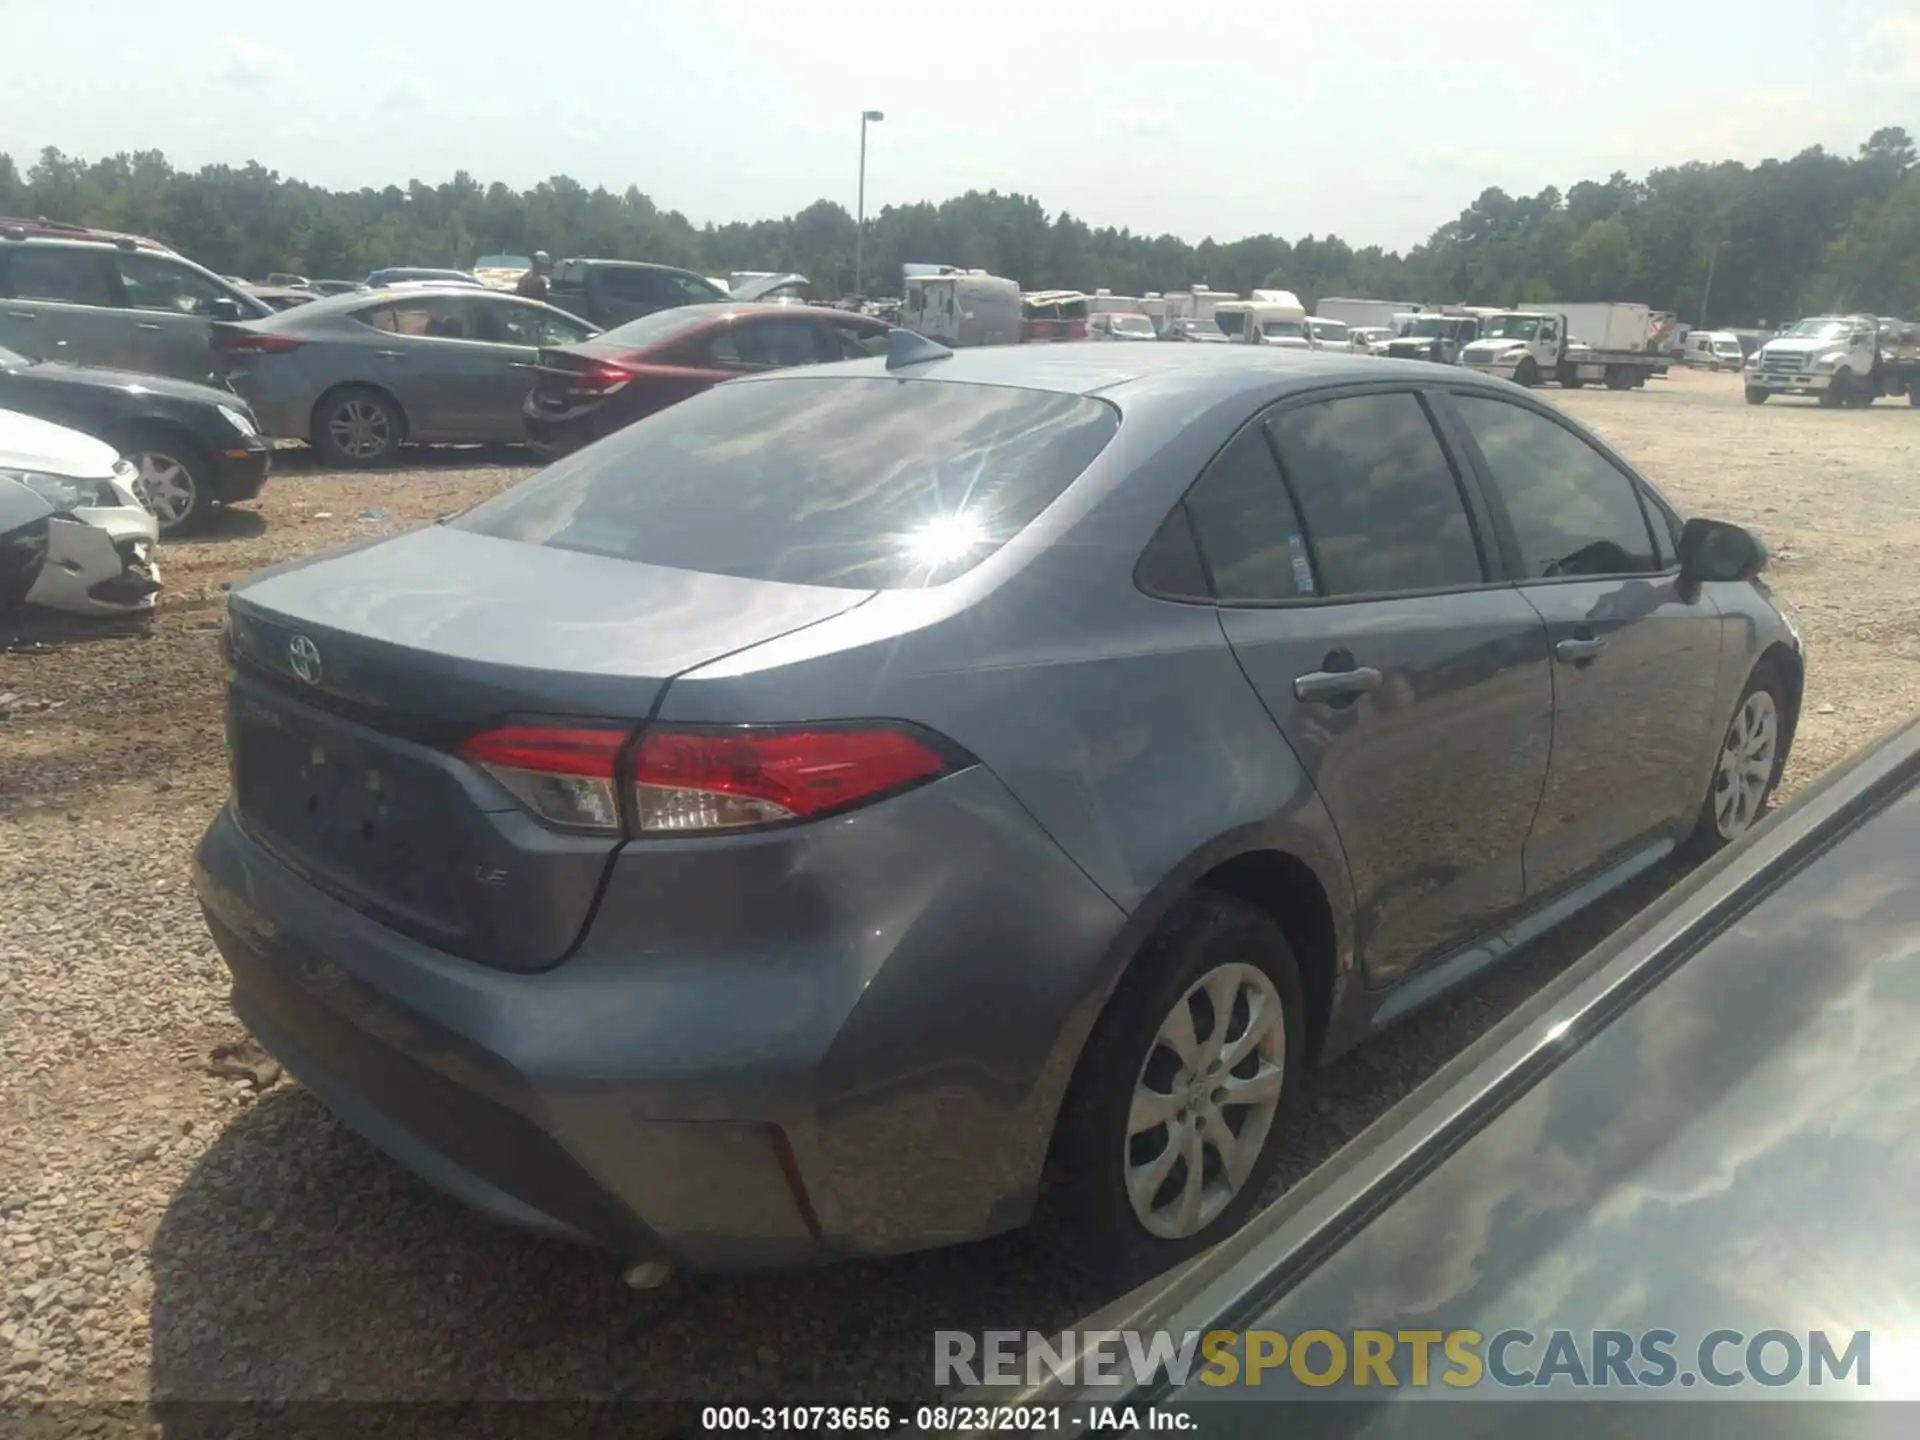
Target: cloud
{"points": [[1133, 120], [406, 87], [249, 62], [1893, 49]]}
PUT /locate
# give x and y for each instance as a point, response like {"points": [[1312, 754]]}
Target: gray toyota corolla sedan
{"points": [[857, 809]]}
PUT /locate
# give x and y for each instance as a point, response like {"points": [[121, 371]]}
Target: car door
{"points": [[513, 329], [453, 382], [1357, 588], [1636, 662], [62, 302], [172, 313]]}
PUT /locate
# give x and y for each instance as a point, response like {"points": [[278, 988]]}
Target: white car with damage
{"points": [[100, 539]]}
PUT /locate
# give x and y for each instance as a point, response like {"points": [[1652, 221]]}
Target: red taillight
{"points": [[721, 779], [688, 781], [564, 774], [605, 379], [246, 341]]}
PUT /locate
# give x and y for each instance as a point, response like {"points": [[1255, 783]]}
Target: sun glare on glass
{"points": [[946, 539]]}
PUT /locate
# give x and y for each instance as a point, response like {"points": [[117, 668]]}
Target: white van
{"points": [[1713, 350], [1265, 322]]}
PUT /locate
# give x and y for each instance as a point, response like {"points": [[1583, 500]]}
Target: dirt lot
{"points": [[168, 1232]]}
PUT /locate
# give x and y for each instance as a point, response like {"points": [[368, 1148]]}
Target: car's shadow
{"points": [[304, 460], [35, 627], [296, 1261], [224, 524]]}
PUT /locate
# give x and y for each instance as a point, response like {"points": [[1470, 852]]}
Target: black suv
{"points": [[612, 292]]}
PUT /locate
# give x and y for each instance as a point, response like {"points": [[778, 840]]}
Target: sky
{"points": [[1369, 119]]}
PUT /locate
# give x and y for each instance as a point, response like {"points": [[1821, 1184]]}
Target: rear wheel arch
{"points": [[1269, 874], [1263, 908]]}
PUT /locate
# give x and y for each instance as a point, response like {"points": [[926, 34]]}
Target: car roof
{"points": [[1139, 373], [629, 265], [723, 312], [21, 231], [321, 306]]}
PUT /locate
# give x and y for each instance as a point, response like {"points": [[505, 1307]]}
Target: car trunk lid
{"points": [[354, 683]]}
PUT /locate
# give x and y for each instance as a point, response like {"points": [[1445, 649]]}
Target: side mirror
{"points": [[1717, 551], [225, 307]]}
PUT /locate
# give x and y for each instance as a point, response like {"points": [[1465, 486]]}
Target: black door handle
{"points": [[1325, 685], [1579, 650]]}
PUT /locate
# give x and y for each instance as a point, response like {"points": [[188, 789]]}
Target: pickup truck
{"points": [[1434, 336]]}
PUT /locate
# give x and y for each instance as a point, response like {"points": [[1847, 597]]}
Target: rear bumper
{"points": [[556, 435], [850, 1041]]}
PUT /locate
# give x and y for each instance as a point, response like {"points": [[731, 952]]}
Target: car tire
{"points": [[174, 479], [1765, 696], [357, 427], [1835, 395], [1756, 396], [1210, 944], [1527, 373]]}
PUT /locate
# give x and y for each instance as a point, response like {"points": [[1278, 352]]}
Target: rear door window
{"points": [[641, 287], [857, 342], [438, 317], [1382, 507], [68, 275], [153, 282], [855, 482], [779, 344], [1245, 523]]}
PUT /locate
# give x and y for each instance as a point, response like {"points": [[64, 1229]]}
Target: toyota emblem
{"points": [[303, 656]]}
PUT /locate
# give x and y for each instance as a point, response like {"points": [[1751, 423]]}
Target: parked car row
{"points": [[411, 354], [359, 375]]}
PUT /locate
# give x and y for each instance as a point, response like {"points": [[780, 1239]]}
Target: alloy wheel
{"points": [[1204, 1102], [1745, 770], [165, 486], [361, 428]]}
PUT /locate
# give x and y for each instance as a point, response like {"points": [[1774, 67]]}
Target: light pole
{"points": [[860, 220], [1706, 291]]}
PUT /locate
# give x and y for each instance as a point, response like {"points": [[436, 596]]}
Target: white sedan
{"points": [[100, 539]]}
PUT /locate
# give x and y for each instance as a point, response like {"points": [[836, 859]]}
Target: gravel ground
{"points": [[175, 1229]]}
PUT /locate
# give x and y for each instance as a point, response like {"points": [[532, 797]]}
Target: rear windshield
{"points": [[864, 483]]}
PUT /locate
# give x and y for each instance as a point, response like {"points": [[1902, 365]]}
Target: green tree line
{"points": [[1741, 244]]}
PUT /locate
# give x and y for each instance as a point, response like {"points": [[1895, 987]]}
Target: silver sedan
{"points": [[358, 375]]}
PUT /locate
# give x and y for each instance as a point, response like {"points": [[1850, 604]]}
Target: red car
{"points": [[586, 391]]}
